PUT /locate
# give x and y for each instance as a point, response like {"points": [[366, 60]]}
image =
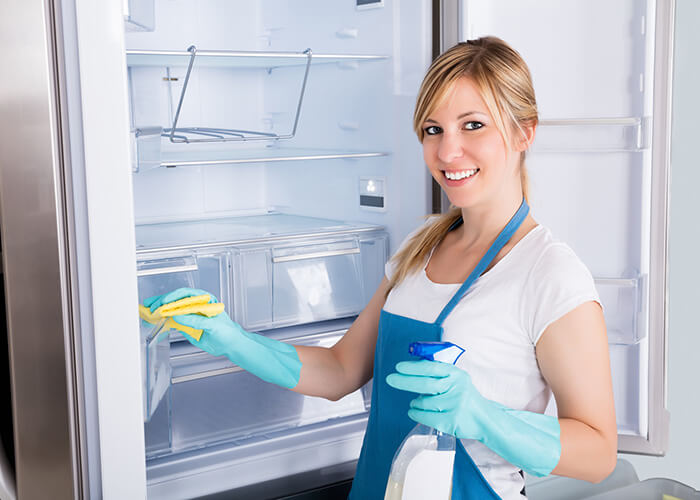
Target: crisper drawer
{"points": [[159, 274], [212, 401], [288, 284]]}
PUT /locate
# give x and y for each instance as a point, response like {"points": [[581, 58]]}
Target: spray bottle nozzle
{"points": [[446, 352]]}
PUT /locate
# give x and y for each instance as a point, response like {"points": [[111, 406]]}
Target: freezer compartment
{"points": [[622, 306], [159, 274], [307, 281], [214, 401]]}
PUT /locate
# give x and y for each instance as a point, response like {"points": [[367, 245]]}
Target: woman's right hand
{"points": [[271, 360], [156, 301]]}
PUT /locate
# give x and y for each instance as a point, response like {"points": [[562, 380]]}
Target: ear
{"points": [[525, 136]]}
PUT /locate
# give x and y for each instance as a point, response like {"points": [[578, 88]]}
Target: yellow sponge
{"points": [[189, 305]]}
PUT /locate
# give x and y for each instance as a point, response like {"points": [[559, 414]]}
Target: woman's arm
{"points": [[574, 359], [334, 372]]}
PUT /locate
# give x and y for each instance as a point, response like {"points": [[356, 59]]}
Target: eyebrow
{"points": [[463, 115]]}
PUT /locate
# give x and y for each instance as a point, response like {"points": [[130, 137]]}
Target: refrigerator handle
{"points": [[7, 478]]}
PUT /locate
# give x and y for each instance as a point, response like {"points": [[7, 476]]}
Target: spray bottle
{"points": [[422, 466]]}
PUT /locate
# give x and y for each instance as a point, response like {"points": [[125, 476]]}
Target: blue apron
{"points": [[388, 421]]}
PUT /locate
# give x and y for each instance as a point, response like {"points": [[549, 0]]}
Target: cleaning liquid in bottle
{"points": [[422, 466]]}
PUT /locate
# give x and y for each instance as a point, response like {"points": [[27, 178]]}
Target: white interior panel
{"points": [[590, 165], [586, 61]]}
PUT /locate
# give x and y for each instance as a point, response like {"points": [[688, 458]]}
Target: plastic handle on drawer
{"points": [[315, 255], [167, 270]]}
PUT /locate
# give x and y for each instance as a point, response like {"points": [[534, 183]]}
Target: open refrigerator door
{"points": [[599, 170]]}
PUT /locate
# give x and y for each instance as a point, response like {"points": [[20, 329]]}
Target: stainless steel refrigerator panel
{"points": [[35, 254]]}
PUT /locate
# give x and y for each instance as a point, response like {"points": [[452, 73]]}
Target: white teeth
{"points": [[455, 176]]}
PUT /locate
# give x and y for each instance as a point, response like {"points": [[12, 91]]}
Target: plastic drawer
{"points": [[281, 285], [374, 249], [162, 273], [651, 489], [213, 400], [155, 366]]}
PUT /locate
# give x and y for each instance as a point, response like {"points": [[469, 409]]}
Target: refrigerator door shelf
{"points": [[213, 401], [622, 305], [593, 135]]}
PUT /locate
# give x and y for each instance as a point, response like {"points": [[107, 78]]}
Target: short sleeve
{"points": [[390, 264], [558, 283]]}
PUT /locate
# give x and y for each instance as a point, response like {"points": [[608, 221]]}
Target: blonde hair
{"points": [[505, 85]]}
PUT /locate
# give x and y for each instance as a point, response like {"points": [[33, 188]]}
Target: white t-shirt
{"points": [[498, 322]]}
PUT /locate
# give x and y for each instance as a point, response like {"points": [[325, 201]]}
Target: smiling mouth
{"points": [[458, 175]]}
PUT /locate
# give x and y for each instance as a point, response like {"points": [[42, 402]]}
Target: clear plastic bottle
{"points": [[422, 466]]}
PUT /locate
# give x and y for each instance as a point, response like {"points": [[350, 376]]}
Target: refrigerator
{"points": [[263, 151]]}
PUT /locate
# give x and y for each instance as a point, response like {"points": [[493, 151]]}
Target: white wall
{"points": [[682, 462]]}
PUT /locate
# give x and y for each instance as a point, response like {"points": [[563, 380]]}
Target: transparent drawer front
{"points": [[155, 366], [622, 304], [375, 252], [214, 400], [299, 284], [162, 274]]}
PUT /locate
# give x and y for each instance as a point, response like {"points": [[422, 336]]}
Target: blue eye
{"points": [[432, 130], [473, 125]]}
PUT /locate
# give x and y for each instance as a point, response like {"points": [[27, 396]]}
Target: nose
{"points": [[449, 148]]}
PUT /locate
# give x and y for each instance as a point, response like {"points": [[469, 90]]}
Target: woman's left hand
{"points": [[449, 402]]}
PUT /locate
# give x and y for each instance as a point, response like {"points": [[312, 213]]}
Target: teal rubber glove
{"points": [[450, 403], [271, 360]]}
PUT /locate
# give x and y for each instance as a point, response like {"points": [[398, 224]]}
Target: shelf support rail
{"points": [[176, 135]]}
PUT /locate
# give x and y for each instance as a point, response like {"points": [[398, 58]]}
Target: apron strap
{"points": [[505, 235]]}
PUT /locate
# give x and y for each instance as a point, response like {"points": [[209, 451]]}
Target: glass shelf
{"points": [[149, 155], [196, 158], [244, 229], [238, 59]]}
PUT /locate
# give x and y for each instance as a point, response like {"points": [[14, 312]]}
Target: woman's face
{"points": [[464, 150]]}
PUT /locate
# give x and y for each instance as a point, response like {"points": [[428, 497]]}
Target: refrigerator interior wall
{"points": [[349, 107], [590, 164], [251, 209]]}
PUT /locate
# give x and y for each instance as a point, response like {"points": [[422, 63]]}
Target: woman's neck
{"points": [[482, 223]]}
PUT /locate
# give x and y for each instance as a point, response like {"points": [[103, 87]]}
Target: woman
{"points": [[484, 276]]}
